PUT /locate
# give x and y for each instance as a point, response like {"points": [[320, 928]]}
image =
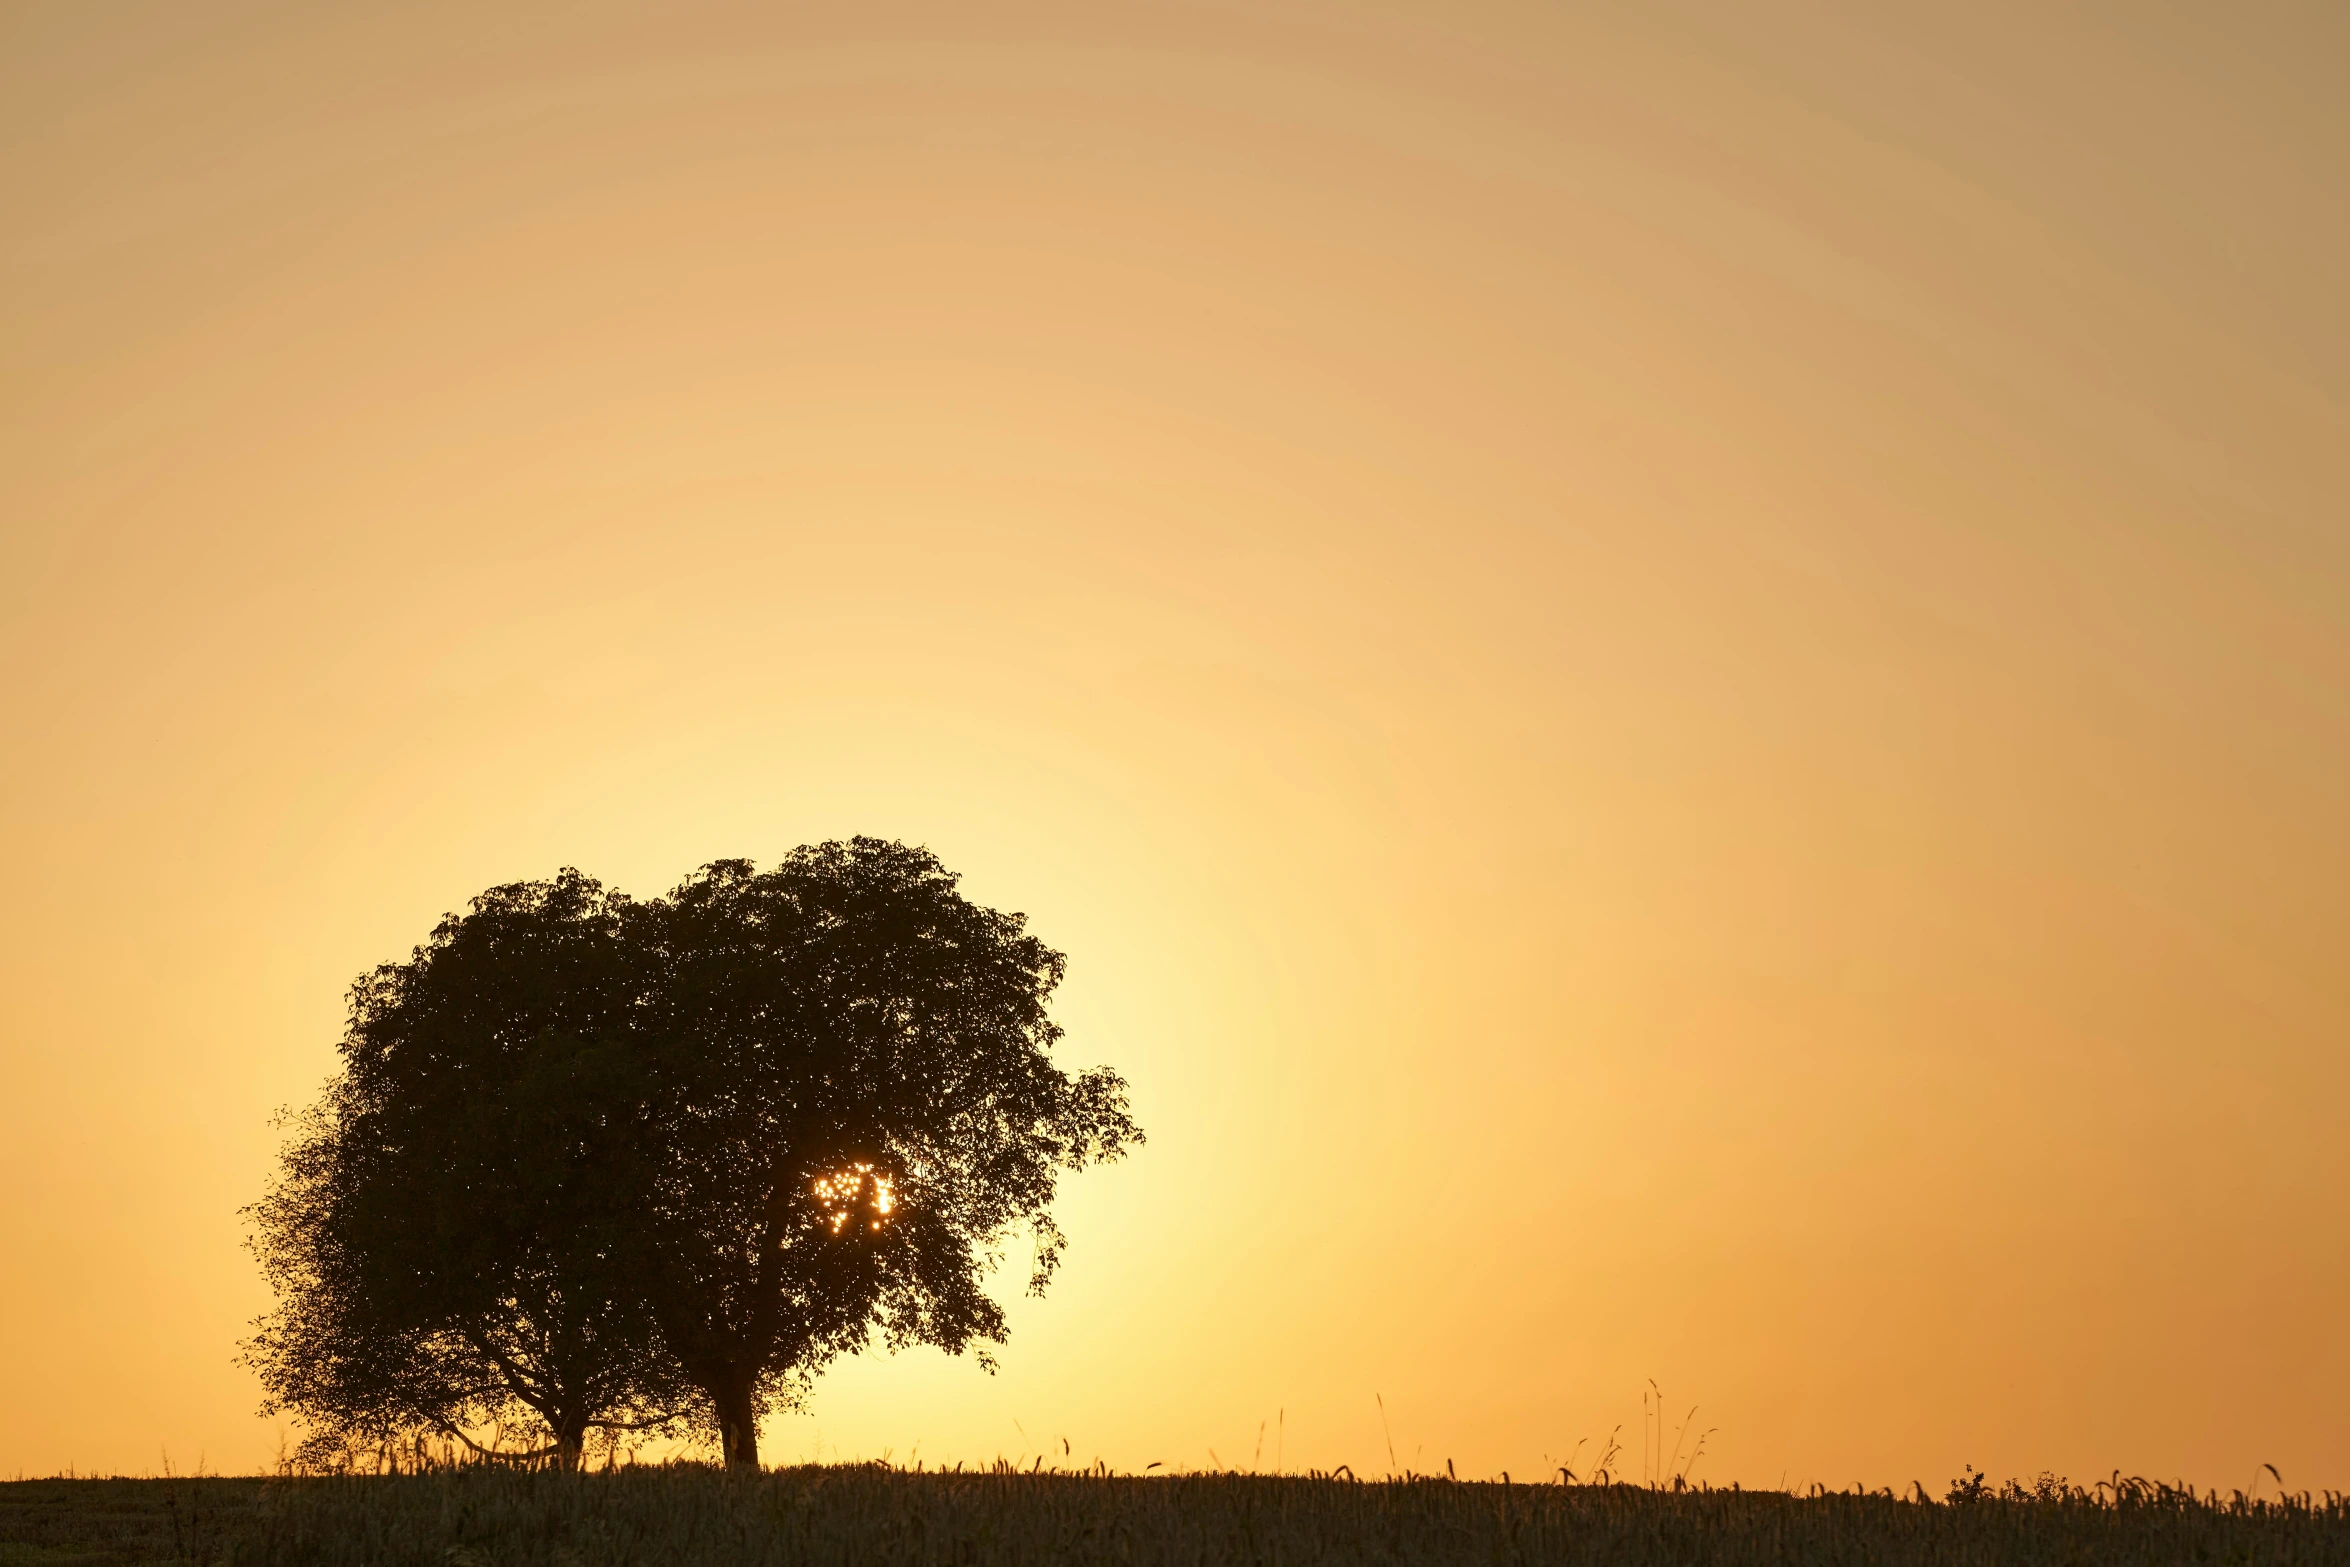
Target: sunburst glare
{"points": [[842, 1193]]}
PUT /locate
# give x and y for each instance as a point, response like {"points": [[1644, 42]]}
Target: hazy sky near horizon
{"points": [[1678, 675]]}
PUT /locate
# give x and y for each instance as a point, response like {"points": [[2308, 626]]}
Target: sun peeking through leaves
{"points": [[859, 1189]]}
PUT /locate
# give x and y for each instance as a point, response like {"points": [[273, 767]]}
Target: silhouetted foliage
{"points": [[593, 1163], [454, 1235], [854, 1107]]}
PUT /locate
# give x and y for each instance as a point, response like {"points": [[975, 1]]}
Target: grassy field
{"points": [[685, 1517]]}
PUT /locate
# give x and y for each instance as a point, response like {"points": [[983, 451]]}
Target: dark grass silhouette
{"points": [[483, 1516]]}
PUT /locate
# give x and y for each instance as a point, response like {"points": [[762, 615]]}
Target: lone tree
{"points": [[853, 1108], [610, 1164], [452, 1236]]}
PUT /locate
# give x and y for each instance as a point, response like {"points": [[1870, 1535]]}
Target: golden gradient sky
{"points": [[1679, 676]]}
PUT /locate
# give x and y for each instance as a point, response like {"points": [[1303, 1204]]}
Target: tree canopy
{"points": [[592, 1163], [451, 1236]]}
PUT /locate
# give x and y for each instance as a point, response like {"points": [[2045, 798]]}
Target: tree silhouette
{"points": [[852, 1109], [451, 1238], [593, 1163]]}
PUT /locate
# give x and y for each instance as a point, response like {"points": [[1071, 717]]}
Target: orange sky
{"points": [[1679, 676]]}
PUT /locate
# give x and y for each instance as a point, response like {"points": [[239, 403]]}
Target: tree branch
{"points": [[646, 1424], [494, 1452]]}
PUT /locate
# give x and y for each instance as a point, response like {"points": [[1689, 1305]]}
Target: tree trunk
{"points": [[570, 1446], [736, 1395]]}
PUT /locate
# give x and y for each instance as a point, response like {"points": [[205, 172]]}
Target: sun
{"points": [[842, 1193]]}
